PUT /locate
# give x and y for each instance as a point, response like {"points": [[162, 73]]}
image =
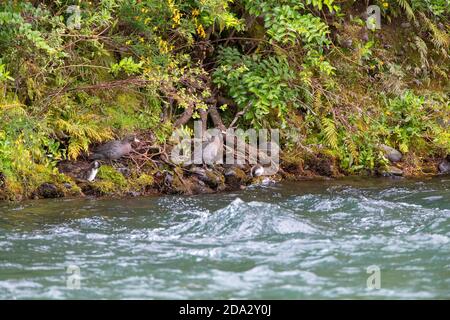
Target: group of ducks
{"points": [[116, 149]]}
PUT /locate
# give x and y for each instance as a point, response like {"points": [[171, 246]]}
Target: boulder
{"points": [[391, 171], [235, 177], [199, 187], [49, 190], [391, 154], [213, 179]]}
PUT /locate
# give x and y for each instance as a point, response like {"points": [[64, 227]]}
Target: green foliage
{"points": [[139, 65], [110, 181], [411, 122], [330, 132], [285, 25], [27, 155], [82, 128], [143, 182], [126, 65], [14, 27], [260, 86], [4, 74], [320, 3]]}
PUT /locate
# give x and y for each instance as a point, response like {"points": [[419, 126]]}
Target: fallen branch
{"points": [[185, 117]]}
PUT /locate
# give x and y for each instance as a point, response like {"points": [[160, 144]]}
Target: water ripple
{"points": [[304, 240]]}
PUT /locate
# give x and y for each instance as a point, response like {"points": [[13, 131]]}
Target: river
{"points": [[302, 240]]}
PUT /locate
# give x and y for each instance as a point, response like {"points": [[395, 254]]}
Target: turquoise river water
{"points": [[351, 238]]}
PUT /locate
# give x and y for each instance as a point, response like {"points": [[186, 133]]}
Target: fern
{"points": [[351, 150], [330, 132], [441, 39], [407, 8], [423, 50], [82, 128], [285, 24]]}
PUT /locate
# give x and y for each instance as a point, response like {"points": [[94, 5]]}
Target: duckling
{"points": [[92, 172], [81, 170], [257, 170], [114, 150]]}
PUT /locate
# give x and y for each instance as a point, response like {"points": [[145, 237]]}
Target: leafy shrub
{"points": [[260, 86]]}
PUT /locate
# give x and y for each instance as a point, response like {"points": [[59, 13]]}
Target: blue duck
{"points": [[113, 150], [211, 150], [444, 166]]}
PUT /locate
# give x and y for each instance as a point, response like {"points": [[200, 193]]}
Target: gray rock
{"points": [[212, 178], [199, 187], [134, 194], [168, 179], [49, 190], [391, 154], [391, 171], [235, 177]]}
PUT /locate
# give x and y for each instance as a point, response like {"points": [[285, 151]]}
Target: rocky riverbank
{"points": [[130, 177]]}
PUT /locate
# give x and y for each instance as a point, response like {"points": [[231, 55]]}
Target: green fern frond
{"points": [[441, 39], [82, 129], [423, 50], [351, 147], [330, 132], [407, 8]]}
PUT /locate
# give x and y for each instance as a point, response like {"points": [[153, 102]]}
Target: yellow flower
{"points": [[128, 42], [141, 39], [385, 4], [176, 17], [195, 12], [164, 46], [201, 31]]}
